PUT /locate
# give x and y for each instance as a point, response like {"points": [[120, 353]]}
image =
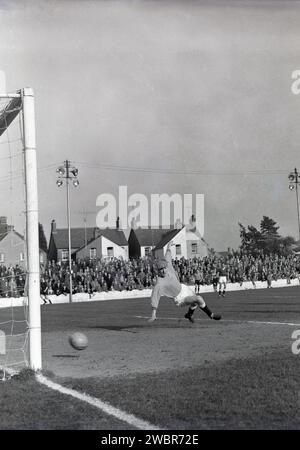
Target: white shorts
{"points": [[222, 280], [186, 291]]}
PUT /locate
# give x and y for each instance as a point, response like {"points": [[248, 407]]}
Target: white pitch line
{"points": [[105, 407], [229, 320], [262, 322]]}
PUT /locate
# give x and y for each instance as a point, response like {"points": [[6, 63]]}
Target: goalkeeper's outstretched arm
{"points": [[168, 255]]}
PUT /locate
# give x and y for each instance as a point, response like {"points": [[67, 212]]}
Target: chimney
{"points": [[96, 232], [118, 223], [53, 227], [133, 224]]}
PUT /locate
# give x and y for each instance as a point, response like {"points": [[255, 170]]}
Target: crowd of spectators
{"points": [[239, 268], [92, 276], [12, 281]]}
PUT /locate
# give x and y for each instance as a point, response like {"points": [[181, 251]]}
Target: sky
{"points": [[188, 97]]}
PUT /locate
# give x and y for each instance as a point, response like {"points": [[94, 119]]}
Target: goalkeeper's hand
{"points": [[170, 244]]}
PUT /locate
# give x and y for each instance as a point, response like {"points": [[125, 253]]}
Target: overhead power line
{"points": [[178, 171], [20, 175]]}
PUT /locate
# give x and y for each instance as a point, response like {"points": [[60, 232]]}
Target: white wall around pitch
{"points": [[145, 293]]}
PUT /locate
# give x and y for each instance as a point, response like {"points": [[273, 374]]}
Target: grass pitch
{"points": [[239, 373]]}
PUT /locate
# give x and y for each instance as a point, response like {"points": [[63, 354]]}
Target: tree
{"points": [[265, 240], [268, 228], [42, 238], [251, 239], [271, 238], [287, 243]]}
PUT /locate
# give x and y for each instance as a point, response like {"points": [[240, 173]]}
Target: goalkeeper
{"points": [[168, 285]]}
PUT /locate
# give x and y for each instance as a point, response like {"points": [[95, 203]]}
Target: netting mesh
{"points": [[14, 327]]}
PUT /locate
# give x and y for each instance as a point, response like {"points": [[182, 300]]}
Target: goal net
{"points": [[20, 333]]}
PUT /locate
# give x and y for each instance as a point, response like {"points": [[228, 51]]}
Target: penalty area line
{"points": [[230, 320], [99, 404]]}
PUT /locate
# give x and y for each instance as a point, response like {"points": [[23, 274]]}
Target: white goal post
{"points": [[23, 101]]}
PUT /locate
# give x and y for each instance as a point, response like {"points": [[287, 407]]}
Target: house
{"points": [[87, 242], [188, 242], [142, 241], [106, 243], [13, 246], [196, 246], [178, 237]]}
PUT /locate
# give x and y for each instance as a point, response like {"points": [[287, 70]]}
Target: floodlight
{"points": [[60, 170], [74, 171]]}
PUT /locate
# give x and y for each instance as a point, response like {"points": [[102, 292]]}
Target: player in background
{"points": [[168, 285], [253, 277], [44, 291], [197, 276], [215, 280], [222, 280], [269, 278]]}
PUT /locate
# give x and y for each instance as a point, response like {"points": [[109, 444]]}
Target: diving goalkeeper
{"points": [[168, 285]]}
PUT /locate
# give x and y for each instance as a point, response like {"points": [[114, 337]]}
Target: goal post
{"points": [[32, 229], [23, 101]]}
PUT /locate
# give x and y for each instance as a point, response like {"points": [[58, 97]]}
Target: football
{"points": [[79, 341]]}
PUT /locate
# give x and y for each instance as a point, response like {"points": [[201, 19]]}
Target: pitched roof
{"points": [[5, 229], [114, 235], [153, 236], [79, 239], [149, 236], [167, 238], [3, 235], [11, 229], [77, 236]]}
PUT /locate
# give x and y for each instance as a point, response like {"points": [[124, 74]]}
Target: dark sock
{"points": [[207, 310], [191, 311]]}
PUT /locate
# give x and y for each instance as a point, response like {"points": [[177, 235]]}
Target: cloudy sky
{"points": [[162, 96]]}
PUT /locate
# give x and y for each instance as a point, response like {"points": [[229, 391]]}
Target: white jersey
{"points": [[169, 286]]}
